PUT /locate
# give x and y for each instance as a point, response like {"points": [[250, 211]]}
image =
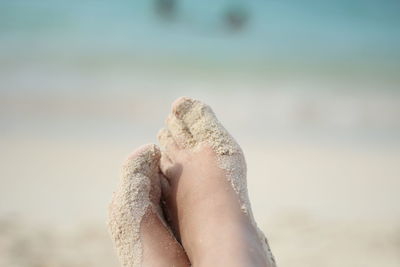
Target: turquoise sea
{"points": [[278, 40]]}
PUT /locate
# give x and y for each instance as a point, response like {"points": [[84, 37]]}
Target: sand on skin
{"points": [[205, 128]]}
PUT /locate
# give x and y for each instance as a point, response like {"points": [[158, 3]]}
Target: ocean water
{"points": [[356, 40]]}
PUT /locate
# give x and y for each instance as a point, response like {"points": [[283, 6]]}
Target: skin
{"points": [[159, 246], [202, 207]]}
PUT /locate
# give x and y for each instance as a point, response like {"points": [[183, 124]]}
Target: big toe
{"points": [[138, 186], [200, 121], [143, 160], [190, 110]]}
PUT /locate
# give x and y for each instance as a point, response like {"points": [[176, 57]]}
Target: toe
{"points": [[196, 117], [202, 124], [186, 108], [181, 105], [144, 160], [170, 170], [140, 178], [167, 142], [179, 131], [165, 163]]}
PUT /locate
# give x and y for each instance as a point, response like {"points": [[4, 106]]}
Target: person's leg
{"points": [[207, 200], [135, 217]]}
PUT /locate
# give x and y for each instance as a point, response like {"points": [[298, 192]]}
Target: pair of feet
{"points": [[188, 204]]}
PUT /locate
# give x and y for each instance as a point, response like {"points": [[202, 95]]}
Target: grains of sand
{"points": [[130, 203], [198, 125]]}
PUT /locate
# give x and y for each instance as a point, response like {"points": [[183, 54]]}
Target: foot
{"points": [[206, 197], [136, 222]]}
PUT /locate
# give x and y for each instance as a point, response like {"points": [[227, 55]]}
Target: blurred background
{"points": [[310, 89]]}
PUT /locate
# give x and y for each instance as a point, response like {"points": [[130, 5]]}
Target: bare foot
{"points": [[135, 218], [206, 199]]}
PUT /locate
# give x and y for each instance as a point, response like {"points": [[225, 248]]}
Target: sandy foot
{"points": [[206, 199], [135, 217]]}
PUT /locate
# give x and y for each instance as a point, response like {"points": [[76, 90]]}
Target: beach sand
{"points": [[323, 185]]}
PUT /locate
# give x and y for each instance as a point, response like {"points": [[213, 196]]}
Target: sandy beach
{"points": [[323, 198]]}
